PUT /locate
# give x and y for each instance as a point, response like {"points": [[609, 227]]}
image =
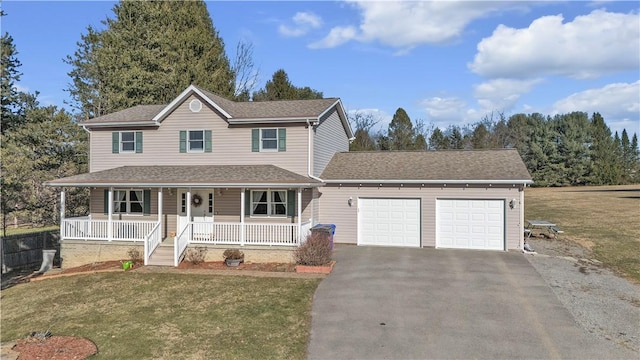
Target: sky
{"points": [[444, 62]]}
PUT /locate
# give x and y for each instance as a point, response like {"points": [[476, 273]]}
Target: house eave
{"points": [[400, 181], [274, 120], [343, 118], [121, 124], [183, 96], [183, 185]]}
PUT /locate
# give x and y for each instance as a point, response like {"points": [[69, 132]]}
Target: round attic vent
{"points": [[195, 105]]}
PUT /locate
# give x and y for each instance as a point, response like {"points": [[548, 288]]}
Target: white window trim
{"points": [[277, 141], [128, 202], [189, 141], [122, 150], [269, 203]]}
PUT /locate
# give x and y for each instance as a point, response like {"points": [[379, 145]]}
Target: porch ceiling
{"points": [[190, 176]]}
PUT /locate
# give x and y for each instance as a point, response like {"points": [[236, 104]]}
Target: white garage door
{"points": [[470, 224], [389, 222]]}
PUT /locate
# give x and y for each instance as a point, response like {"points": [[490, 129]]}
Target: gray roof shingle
{"points": [[138, 113], [282, 109], [428, 166], [272, 109], [196, 175]]}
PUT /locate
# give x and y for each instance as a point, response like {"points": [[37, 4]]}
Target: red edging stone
{"points": [[322, 269]]}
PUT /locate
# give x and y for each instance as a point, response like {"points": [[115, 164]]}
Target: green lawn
{"points": [[12, 231], [172, 316], [604, 219]]}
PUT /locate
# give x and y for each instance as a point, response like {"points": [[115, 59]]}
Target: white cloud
{"points": [[501, 94], [619, 105], [304, 21], [337, 36], [406, 24], [445, 111], [591, 45]]}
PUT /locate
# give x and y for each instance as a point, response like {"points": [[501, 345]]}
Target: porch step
{"points": [[162, 256]]}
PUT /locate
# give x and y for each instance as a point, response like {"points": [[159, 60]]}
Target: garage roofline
{"points": [[372, 181]]}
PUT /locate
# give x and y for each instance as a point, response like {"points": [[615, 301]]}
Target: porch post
{"points": [[160, 211], [299, 214], [110, 220], [188, 205], [521, 210], [62, 205], [242, 212]]}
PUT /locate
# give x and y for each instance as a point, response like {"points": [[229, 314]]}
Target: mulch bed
{"points": [[54, 348], [185, 265]]}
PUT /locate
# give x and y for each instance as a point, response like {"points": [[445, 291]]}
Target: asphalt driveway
{"points": [[399, 303]]}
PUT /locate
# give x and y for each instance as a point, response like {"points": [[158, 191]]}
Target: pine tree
{"points": [[281, 88], [573, 147], [606, 163], [149, 52], [437, 140], [8, 91], [401, 134]]}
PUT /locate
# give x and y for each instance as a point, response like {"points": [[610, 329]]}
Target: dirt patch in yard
{"points": [[54, 348]]}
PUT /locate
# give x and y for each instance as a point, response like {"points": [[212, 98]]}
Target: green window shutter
{"points": [[183, 141], [291, 203], [115, 142], [282, 139], [106, 201], [207, 141], [147, 202], [247, 202], [139, 142], [255, 140]]}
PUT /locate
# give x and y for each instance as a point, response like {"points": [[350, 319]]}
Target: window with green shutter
{"points": [[126, 142], [195, 141], [269, 139]]}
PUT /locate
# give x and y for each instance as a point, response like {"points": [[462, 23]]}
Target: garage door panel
{"points": [[470, 224], [391, 222]]}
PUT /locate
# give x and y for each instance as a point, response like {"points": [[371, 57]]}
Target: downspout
{"points": [[84, 127], [309, 171]]}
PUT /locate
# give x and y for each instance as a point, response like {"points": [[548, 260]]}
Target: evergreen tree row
{"points": [[568, 149]]}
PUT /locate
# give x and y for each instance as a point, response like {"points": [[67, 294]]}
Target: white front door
{"points": [[201, 204]]}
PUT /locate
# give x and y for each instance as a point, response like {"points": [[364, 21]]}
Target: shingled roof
{"points": [[196, 175], [474, 166], [249, 110]]}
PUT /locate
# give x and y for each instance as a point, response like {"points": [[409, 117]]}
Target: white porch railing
{"points": [[254, 233], [150, 233], [151, 242], [180, 244], [85, 228]]}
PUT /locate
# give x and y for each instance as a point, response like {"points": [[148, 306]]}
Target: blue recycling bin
{"points": [[329, 229]]}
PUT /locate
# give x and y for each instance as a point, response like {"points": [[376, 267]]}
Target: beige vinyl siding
{"points": [[330, 137], [334, 208], [231, 145]]}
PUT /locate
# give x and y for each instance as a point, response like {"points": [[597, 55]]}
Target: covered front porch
{"points": [[262, 214]]}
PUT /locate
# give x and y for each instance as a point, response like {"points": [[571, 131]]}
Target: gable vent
{"points": [[195, 105]]}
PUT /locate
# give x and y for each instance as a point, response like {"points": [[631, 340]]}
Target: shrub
{"points": [[135, 255], [196, 255], [316, 250], [233, 254]]}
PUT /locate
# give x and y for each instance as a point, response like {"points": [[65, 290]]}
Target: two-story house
{"points": [[204, 170]]}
